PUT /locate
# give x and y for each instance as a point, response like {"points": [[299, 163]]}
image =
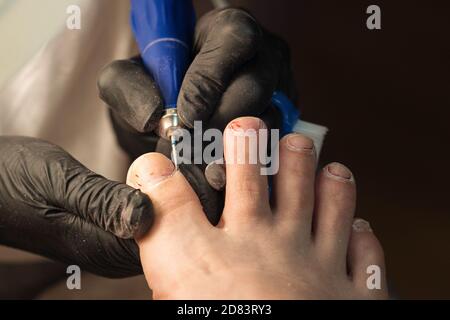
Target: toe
{"points": [[335, 206], [180, 225], [366, 261], [294, 183], [171, 195], [247, 194]]}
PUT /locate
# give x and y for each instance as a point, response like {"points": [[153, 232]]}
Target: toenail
{"points": [[154, 177], [247, 123], [299, 143], [360, 225], [339, 172]]}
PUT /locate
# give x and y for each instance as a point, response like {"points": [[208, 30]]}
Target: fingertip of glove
{"points": [[215, 174], [238, 21], [109, 73], [130, 91], [137, 217]]}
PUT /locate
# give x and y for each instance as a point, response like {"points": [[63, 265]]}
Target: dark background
{"points": [[385, 95]]}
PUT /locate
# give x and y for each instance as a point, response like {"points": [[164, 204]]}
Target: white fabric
{"points": [[55, 97], [25, 25]]}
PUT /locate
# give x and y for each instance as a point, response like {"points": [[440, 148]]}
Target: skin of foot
{"points": [[302, 242]]}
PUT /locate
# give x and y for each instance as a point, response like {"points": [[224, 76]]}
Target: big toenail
{"points": [[248, 123], [298, 143], [154, 177], [360, 225], [339, 171]]}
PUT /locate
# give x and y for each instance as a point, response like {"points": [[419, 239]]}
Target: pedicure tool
{"points": [[164, 32]]}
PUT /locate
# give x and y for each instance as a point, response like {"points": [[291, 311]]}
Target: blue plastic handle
{"points": [[289, 112], [164, 32]]}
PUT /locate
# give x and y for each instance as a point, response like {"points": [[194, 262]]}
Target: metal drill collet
{"points": [[168, 126], [169, 123]]}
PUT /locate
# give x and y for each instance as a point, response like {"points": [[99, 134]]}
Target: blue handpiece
{"points": [[289, 113], [164, 32]]}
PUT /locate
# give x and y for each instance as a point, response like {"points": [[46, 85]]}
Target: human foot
{"points": [[304, 245]]}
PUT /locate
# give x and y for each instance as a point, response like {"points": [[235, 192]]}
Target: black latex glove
{"points": [[236, 68], [52, 205]]}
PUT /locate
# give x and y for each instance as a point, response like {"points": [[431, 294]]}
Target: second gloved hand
{"points": [[52, 205]]}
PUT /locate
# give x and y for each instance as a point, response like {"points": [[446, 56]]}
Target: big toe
{"points": [[179, 225], [172, 197]]}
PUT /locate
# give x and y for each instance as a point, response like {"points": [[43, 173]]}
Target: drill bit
{"points": [[173, 142]]}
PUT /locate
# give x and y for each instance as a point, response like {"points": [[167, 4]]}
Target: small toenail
{"points": [[299, 143], [339, 171], [360, 225]]}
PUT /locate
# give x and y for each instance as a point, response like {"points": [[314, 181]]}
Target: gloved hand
{"points": [[52, 205], [237, 66]]}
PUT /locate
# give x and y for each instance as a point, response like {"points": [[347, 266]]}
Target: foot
{"points": [[303, 244]]}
